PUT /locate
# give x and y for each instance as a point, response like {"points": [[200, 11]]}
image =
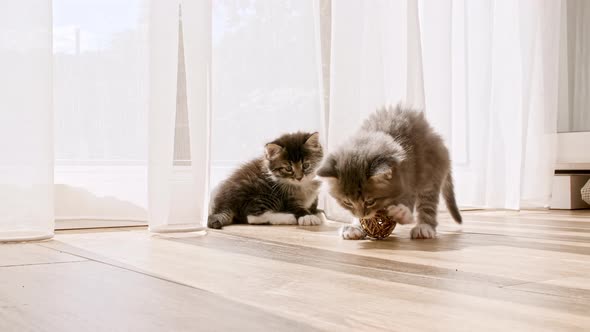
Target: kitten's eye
{"points": [[289, 168], [305, 165], [347, 203], [369, 202]]}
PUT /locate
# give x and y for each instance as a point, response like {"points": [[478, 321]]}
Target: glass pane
{"points": [[100, 97], [100, 79]]}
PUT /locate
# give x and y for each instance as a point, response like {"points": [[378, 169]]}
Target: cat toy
{"points": [[378, 227]]}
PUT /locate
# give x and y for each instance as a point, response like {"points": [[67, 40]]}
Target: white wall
{"points": [[573, 148]]}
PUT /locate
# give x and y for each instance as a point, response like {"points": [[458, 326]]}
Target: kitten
{"points": [[278, 188], [395, 163]]}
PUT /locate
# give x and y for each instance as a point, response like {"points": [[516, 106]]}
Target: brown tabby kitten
{"points": [[395, 163], [277, 189]]}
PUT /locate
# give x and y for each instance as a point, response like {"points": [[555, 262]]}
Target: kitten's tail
{"points": [[448, 192]]}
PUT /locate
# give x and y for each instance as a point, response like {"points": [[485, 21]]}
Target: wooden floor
{"points": [[503, 271]]}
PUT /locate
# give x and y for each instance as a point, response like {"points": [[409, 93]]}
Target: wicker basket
{"points": [[585, 191]]}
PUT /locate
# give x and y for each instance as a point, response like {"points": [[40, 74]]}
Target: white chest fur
{"points": [[307, 192], [310, 193]]}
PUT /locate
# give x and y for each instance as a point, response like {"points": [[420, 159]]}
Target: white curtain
{"points": [[148, 93], [26, 130], [177, 195], [131, 123], [485, 72]]}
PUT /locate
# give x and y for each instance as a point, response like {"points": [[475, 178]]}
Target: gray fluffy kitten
{"points": [[395, 163], [278, 188]]}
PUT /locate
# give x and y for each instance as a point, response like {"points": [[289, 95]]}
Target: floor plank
{"points": [[90, 296], [18, 254]]}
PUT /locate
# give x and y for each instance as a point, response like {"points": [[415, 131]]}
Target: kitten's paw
{"points": [[309, 220], [214, 222], [401, 214], [349, 232], [423, 231]]}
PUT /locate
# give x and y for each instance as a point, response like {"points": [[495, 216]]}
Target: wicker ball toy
{"points": [[378, 227]]}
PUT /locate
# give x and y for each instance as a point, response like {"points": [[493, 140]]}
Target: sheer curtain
{"points": [[485, 72], [130, 100], [26, 131], [177, 195], [154, 100]]}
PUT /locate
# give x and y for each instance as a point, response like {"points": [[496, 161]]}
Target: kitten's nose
{"points": [[298, 174]]}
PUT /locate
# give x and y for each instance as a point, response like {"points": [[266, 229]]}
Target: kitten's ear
{"points": [[272, 150], [313, 142], [328, 168], [383, 168]]}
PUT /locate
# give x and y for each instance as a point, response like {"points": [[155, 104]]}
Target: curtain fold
{"points": [[485, 73], [163, 65], [506, 153], [198, 49], [26, 121], [177, 194]]}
